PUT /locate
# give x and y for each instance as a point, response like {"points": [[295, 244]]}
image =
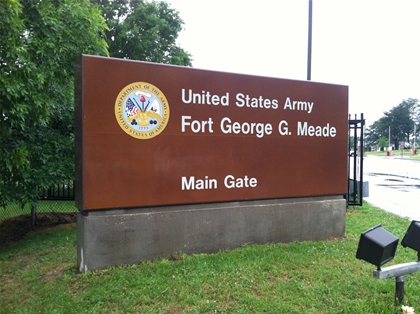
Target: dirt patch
{"points": [[14, 229], [174, 309], [352, 213], [53, 273]]}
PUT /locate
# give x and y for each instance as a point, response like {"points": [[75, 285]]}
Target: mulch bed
{"points": [[14, 229]]}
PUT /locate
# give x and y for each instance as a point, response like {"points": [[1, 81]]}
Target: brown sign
{"points": [[150, 134]]}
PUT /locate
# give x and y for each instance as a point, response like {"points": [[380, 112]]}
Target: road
{"points": [[394, 184]]}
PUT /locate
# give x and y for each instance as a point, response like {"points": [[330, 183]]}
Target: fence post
{"points": [[33, 215]]}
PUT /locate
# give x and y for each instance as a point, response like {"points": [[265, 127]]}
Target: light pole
{"points": [[389, 152], [309, 42], [417, 120], [389, 136]]}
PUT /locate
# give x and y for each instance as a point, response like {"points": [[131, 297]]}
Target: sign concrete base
{"points": [[116, 237]]}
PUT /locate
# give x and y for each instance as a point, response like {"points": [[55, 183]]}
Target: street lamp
{"points": [[377, 246]]}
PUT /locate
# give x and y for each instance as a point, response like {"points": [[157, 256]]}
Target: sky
{"points": [[371, 46]]}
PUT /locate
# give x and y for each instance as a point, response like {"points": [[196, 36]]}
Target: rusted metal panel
{"points": [[211, 137]]}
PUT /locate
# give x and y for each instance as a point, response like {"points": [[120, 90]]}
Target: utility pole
{"points": [[414, 140], [389, 150]]}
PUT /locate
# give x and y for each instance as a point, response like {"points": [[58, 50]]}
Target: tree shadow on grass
{"points": [[14, 229]]}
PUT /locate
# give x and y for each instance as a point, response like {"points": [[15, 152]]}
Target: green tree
{"points": [[383, 142], [399, 121], [39, 42], [399, 118], [379, 129], [142, 30]]}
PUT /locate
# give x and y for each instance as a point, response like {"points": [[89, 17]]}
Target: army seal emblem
{"points": [[142, 110]]}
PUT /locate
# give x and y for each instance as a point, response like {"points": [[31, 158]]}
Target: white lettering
{"points": [[196, 125], [204, 98], [259, 129], [287, 104], [187, 185], [199, 184], [298, 105], [238, 183], [284, 128], [318, 130], [260, 102]]}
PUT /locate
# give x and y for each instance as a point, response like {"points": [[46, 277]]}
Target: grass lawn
{"points": [[38, 275], [406, 153]]}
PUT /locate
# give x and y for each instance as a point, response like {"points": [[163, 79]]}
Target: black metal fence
{"points": [[355, 190], [56, 206], [62, 192], [56, 202]]}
